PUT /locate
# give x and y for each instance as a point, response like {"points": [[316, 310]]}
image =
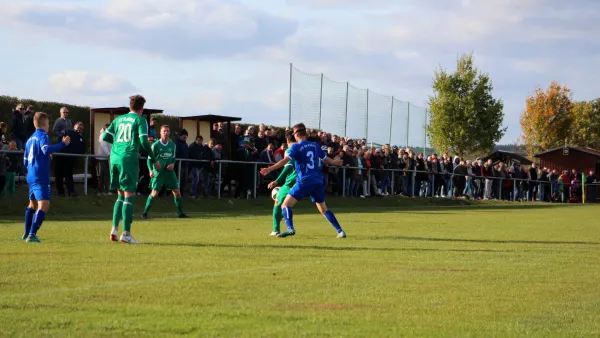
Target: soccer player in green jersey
{"points": [[286, 181], [164, 151], [127, 133]]}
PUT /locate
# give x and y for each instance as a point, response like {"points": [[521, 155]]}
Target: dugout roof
{"points": [[211, 118]]}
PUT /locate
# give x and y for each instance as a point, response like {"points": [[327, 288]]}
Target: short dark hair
{"points": [[136, 102], [289, 136], [200, 137], [300, 129]]}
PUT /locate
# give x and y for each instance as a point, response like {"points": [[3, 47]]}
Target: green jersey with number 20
{"points": [[126, 131]]}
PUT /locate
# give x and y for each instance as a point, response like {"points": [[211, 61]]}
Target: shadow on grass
{"points": [[100, 208], [320, 247], [460, 240]]}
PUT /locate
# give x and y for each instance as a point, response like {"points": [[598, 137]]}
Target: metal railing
{"points": [[387, 179]]}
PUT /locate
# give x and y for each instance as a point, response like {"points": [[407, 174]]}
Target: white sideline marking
{"points": [[154, 280]]}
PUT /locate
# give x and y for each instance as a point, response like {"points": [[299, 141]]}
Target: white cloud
{"points": [[538, 65], [179, 29], [89, 83]]}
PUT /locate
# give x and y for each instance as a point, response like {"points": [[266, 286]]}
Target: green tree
{"points": [[464, 116], [585, 126]]}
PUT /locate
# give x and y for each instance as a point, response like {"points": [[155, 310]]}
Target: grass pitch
{"points": [[407, 268]]}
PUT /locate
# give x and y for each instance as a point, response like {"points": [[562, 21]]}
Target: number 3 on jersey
{"points": [[311, 158], [124, 133]]}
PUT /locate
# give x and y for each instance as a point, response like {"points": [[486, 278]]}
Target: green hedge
{"points": [[76, 114]]}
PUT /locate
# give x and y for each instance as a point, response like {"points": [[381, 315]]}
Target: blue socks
{"points": [[28, 219], [287, 217], [331, 218], [38, 219]]}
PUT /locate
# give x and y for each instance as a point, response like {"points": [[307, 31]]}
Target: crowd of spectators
{"points": [[367, 170], [11, 164]]}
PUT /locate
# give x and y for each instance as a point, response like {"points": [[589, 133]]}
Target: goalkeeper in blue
{"points": [[307, 157], [37, 161]]}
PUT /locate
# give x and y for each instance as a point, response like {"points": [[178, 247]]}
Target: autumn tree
{"points": [[546, 119], [464, 116], [585, 127]]}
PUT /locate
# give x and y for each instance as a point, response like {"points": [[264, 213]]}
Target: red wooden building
{"points": [[568, 158]]}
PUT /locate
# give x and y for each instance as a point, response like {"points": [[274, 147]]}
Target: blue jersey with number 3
{"points": [[307, 157]]}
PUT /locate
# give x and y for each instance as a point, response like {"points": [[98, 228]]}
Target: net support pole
{"points": [[391, 120], [425, 130], [85, 176], [407, 124], [346, 113], [220, 181], [321, 102], [367, 124], [290, 99]]}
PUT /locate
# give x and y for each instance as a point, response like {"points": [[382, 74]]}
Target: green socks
{"points": [[118, 212], [277, 216], [148, 204], [178, 205], [128, 213]]}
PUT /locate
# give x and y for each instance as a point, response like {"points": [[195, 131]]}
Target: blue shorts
{"points": [[40, 192], [315, 191]]}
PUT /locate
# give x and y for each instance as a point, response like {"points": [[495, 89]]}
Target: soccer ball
{"points": [[274, 193]]}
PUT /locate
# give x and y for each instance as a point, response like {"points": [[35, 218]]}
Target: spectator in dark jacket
{"points": [[532, 174], [143, 187], [421, 176], [14, 161], [64, 165], [29, 127], [202, 172], [267, 155], [182, 152], [195, 168], [243, 173], [459, 179], [3, 136], [17, 129]]}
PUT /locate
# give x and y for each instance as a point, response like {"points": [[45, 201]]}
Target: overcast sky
{"points": [[232, 57]]}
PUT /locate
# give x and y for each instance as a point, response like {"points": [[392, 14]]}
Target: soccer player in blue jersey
{"points": [[37, 162], [307, 156]]}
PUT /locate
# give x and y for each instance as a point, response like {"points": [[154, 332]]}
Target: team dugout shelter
{"points": [[101, 116], [203, 125]]}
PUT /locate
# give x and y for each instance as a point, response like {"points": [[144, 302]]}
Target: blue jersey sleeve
{"points": [[48, 149], [26, 154], [321, 153], [292, 151]]}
